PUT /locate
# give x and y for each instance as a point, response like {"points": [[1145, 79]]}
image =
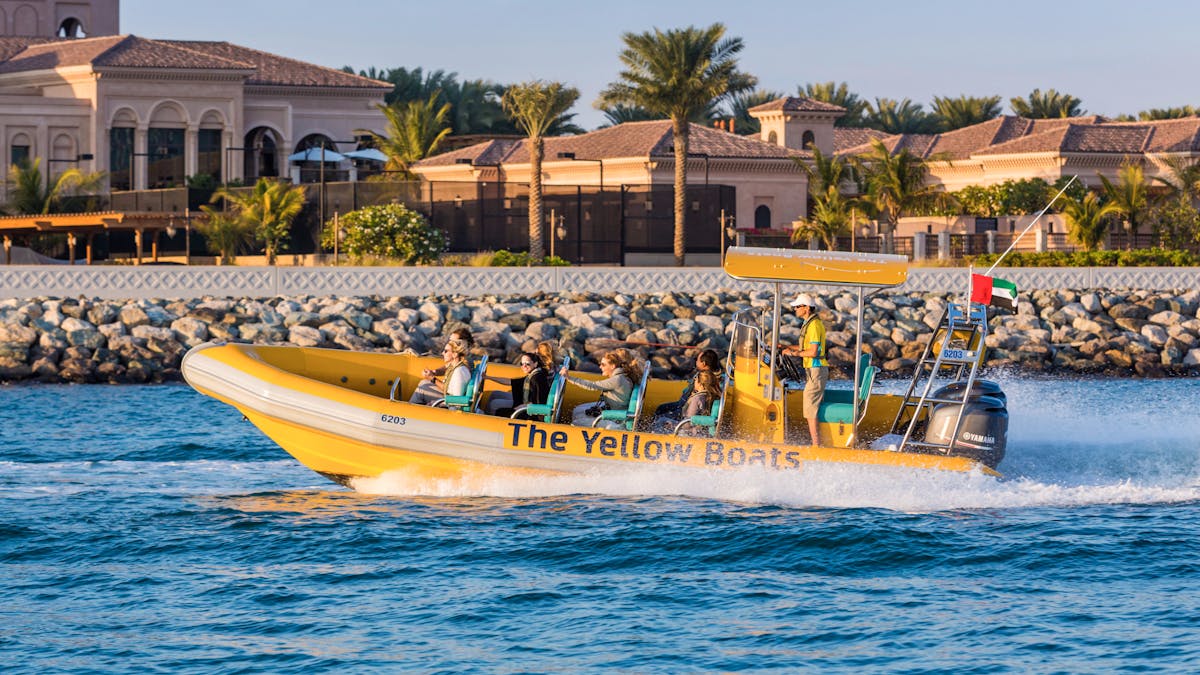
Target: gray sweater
{"points": [[617, 388]]}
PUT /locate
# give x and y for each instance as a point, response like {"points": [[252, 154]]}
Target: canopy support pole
{"points": [[858, 350], [774, 344]]}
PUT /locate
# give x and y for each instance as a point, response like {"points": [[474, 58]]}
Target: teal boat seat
{"points": [[548, 411], [628, 416], [838, 406], [469, 401], [707, 422]]}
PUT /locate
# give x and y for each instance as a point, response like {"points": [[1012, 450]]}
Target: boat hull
{"points": [[330, 410]]}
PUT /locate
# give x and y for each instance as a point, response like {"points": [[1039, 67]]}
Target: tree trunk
{"points": [[536, 151], [681, 149]]}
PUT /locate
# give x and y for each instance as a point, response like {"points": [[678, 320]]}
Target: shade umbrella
{"points": [[315, 154], [369, 154]]}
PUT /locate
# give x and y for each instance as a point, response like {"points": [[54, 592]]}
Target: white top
{"points": [[456, 384]]}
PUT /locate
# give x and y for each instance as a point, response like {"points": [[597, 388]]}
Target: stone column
{"points": [[943, 245], [991, 241], [1039, 238], [140, 169], [191, 151], [920, 246]]}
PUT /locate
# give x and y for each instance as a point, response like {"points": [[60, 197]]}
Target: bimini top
{"points": [[838, 268]]}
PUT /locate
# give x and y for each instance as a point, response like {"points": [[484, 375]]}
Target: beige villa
{"points": [[75, 93], [772, 191]]}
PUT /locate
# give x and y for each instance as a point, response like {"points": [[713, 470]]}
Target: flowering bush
{"points": [[388, 231]]}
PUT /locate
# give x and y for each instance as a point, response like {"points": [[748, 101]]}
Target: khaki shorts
{"points": [[814, 390]]}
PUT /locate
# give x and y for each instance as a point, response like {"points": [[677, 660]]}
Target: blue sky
{"points": [[1118, 57]]}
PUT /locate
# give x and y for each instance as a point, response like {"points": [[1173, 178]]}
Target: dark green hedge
{"points": [[1146, 257]]}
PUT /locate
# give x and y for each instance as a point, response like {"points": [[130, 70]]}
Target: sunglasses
{"points": [[526, 364]]}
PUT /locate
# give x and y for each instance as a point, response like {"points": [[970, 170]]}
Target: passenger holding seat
{"points": [[532, 387], [707, 390], [616, 389], [434, 389], [816, 369]]}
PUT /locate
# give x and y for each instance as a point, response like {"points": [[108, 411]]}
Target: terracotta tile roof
{"points": [[917, 144], [1179, 135], [271, 69], [845, 138], [59, 53], [131, 51], [795, 104], [10, 46], [632, 139]]}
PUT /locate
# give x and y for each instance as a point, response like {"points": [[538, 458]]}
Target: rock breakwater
{"points": [[1115, 333]]}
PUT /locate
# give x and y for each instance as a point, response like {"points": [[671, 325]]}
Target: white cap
{"points": [[804, 300]]}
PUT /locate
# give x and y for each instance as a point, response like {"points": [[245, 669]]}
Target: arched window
{"points": [[807, 139], [762, 217], [71, 28], [773, 138]]}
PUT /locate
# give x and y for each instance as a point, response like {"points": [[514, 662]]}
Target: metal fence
{"points": [[591, 225]]}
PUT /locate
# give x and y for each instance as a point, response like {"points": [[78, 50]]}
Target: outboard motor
{"points": [[983, 432]]}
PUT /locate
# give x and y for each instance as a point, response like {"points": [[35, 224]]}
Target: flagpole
{"points": [[1030, 226]]}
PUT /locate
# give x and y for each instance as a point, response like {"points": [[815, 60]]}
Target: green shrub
{"points": [[389, 231], [521, 259], [1145, 257]]}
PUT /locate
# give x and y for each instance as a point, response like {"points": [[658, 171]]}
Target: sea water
{"points": [[148, 528]]}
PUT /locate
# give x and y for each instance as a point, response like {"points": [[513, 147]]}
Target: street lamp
{"points": [[321, 190]]}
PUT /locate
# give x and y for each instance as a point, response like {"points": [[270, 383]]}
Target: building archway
{"points": [[71, 28], [807, 140], [165, 141], [762, 217], [261, 153]]}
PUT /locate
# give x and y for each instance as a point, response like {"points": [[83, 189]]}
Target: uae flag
{"points": [[990, 291]]}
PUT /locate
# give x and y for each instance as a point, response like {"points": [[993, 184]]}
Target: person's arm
{"points": [[607, 384], [697, 405]]}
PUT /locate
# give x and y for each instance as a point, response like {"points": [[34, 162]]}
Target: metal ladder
{"points": [[956, 349]]}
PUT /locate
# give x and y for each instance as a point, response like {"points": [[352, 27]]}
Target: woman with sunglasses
{"points": [[532, 387], [454, 383]]}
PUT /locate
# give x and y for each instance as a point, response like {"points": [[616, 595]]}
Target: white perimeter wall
{"points": [[153, 281]]}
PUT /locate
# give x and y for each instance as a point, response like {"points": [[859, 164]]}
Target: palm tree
{"points": [[895, 182], [837, 93], [678, 73], [28, 194], [831, 212], [1049, 105], [900, 117], [965, 111], [414, 131], [1128, 195], [1086, 219], [830, 217], [225, 234], [1167, 113], [620, 114], [1184, 181], [535, 106], [267, 210]]}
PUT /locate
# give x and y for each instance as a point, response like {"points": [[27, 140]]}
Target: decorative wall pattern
{"points": [[30, 281]]}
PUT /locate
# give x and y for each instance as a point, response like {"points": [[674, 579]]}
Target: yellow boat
{"points": [[345, 415]]}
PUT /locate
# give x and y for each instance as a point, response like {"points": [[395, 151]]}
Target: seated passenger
{"points": [[462, 335], [708, 389], [706, 361], [616, 389], [435, 388], [532, 387]]}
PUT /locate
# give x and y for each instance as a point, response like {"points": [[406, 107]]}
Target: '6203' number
{"points": [[392, 419]]}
